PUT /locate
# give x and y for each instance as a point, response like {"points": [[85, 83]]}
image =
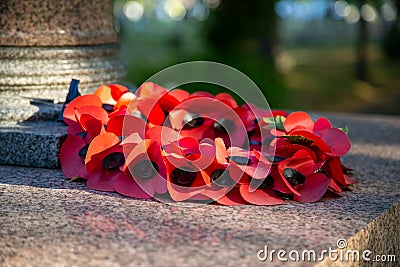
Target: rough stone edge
{"points": [[34, 155], [381, 236]]}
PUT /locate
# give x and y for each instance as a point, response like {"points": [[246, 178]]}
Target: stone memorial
{"points": [[43, 45]]}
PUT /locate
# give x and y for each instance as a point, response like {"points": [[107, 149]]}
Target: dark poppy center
{"points": [[82, 134], [183, 177], [252, 142], [240, 160], [114, 160], [192, 120], [83, 151], [107, 107], [274, 159], [222, 178], [294, 177], [224, 125], [268, 182], [145, 169]]}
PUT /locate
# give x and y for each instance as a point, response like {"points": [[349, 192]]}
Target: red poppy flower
{"points": [[260, 196], [298, 127], [89, 122], [109, 94], [263, 191], [184, 181], [154, 101], [223, 174], [103, 162], [125, 125], [194, 172], [222, 185], [122, 142], [242, 161], [72, 156], [337, 179], [300, 175], [194, 117], [147, 172], [85, 100]]}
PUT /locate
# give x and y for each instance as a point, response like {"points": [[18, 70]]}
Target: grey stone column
{"points": [[43, 45]]}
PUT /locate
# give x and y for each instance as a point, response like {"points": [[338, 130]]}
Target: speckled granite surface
{"points": [[56, 23], [46, 221], [32, 144]]}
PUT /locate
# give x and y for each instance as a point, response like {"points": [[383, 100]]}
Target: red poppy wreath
{"points": [[186, 146]]}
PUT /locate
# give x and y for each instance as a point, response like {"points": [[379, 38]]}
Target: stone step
{"points": [[32, 143], [47, 221]]}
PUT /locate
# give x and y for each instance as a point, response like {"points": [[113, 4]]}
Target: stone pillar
{"points": [[43, 45], [46, 43]]}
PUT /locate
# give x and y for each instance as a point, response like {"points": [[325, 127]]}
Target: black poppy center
{"points": [[274, 159], [82, 134], [222, 178], [294, 177], [240, 160], [224, 125], [268, 182], [145, 169], [83, 151], [192, 120], [108, 107], [114, 160], [183, 177]]}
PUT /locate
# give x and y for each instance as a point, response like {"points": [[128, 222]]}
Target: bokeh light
{"points": [[353, 16], [342, 8], [201, 12], [133, 10], [369, 13], [175, 9], [389, 11]]}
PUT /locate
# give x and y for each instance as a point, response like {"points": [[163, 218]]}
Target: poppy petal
{"points": [[321, 124], [334, 186], [125, 125], [127, 186], [102, 180], [259, 197], [150, 89], [101, 143], [85, 100], [111, 93], [167, 102], [179, 94], [337, 140], [90, 112], [151, 110], [349, 180], [227, 99], [313, 189], [220, 149], [74, 128], [298, 120], [126, 100], [71, 162], [317, 140], [334, 170], [162, 135], [232, 198]]}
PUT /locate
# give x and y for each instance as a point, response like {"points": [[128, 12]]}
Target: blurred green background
{"points": [[304, 54]]}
